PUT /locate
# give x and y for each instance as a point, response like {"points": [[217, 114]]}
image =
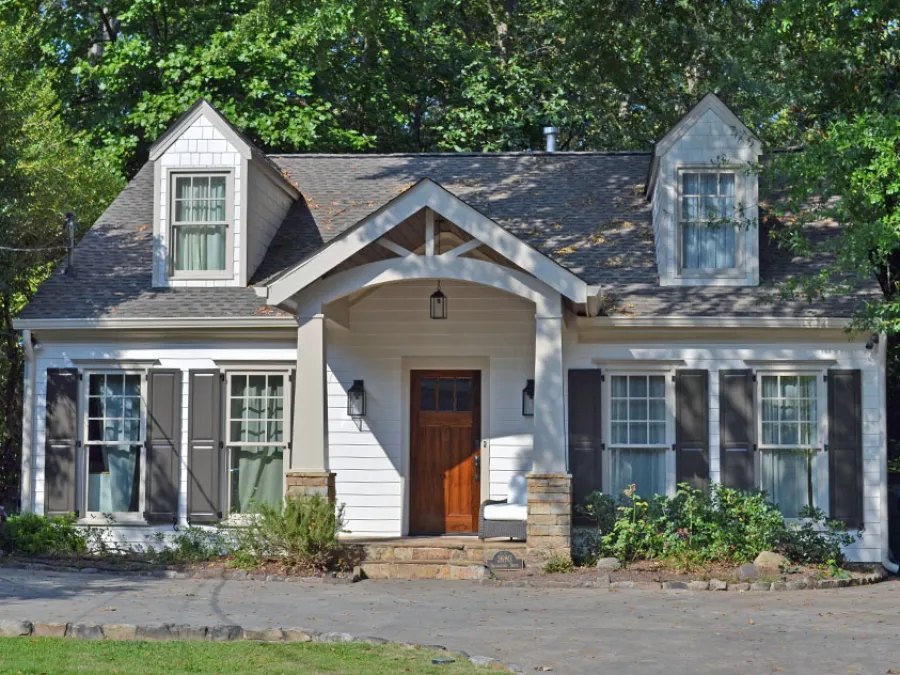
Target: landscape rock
{"points": [[675, 586], [717, 585], [796, 585], [49, 630], [120, 631], [264, 634], [698, 585], [827, 583], [188, 632], [739, 587], [761, 586], [615, 585], [154, 632], [769, 560], [298, 635], [84, 631], [334, 637], [11, 628], [748, 572], [609, 564], [224, 633]]}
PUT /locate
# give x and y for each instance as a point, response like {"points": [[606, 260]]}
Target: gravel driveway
{"points": [[572, 631]]}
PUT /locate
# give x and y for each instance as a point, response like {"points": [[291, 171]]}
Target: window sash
{"points": [[637, 411], [204, 205], [804, 418], [264, 420], [199, 224], [707, 204]]}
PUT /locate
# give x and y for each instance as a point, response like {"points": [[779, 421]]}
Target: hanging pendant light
{"points": [[438, 305]]}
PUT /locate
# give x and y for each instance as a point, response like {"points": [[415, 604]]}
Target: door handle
{"points": [[477, 468]]}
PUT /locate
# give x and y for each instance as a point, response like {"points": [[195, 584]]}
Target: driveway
{"points": [[572, 631]]}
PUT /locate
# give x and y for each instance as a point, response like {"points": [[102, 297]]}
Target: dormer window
{"points": [[200, 224], [707, 222]]}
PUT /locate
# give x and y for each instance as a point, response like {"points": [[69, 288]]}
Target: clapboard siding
{"points": [[391, 325], [718, 357]]}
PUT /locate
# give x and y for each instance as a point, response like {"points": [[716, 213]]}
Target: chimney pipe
{"points": [[550, 134], [70, 237]]}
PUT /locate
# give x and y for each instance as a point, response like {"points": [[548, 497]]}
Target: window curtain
{"points": [[113, 479], [257, 475], [645, 468], [708, 242], [200, 247], [787, 479]]}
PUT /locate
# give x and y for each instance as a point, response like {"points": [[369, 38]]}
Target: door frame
{"points": [[410, 363]]}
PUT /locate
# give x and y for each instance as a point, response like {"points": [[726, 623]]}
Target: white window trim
{"points": [[820, 459], [83, 460], [739, 271], [243, 519], [606, 410], [200, 172]]}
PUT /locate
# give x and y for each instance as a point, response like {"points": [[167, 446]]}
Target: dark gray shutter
{"points": [[585, 438], [692, 428], [845, 447], [163, 443], [204, 446], [737, 429], [60, 451]]}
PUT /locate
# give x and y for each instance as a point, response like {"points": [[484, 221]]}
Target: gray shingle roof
{"points": [[586, 211]]}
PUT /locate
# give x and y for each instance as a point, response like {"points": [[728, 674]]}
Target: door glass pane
{"points": [[463, 394], [428, 393], [113, 478], [445, 394], [256, 476]]}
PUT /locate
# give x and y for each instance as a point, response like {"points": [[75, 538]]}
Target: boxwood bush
{"points": [[30, 534]]}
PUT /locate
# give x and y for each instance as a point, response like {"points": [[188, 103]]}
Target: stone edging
{"points": [[220, 633], [604, 582]]}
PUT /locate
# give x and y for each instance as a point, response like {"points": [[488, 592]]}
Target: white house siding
{"points": [[182, 356], [709, 142], [390, 329], [201, 146], [718, 357], [267, 206]]}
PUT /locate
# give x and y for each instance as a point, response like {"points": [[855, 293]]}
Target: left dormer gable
{"points": [[203, 224]]}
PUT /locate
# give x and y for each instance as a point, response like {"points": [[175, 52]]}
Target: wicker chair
{"points": [[505, 517]]}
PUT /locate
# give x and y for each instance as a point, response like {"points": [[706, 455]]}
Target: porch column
{"points": [[308, 469], [549, 529]]}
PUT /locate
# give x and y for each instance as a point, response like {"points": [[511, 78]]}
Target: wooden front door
{"points": [[444, 452]]}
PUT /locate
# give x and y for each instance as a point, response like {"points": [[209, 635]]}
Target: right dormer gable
{"points": [[704, 192]]}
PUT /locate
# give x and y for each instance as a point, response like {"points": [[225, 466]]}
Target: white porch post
{"points": [[549, 529], [308, 470]]}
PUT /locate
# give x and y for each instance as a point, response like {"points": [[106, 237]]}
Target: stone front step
{"points": [[438, 553], [425, 569]]}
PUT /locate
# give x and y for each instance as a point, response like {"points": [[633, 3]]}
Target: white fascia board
{"points": [[708, 102], [711, 322], [201, 109], [173, 323], [428, 194]]}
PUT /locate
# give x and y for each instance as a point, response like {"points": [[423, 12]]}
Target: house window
{"points": [[638, 434], [257, 438], [789, 426], [199, 223], [708, 229], [114, 442]]}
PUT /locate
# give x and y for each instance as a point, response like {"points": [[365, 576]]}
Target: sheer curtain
{"points": [[257, 475], [786, 476], [707, 211], [638, 422], [199, 223], [113, 479]]}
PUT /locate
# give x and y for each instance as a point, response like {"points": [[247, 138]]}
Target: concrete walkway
{"points": [[845, 631]]}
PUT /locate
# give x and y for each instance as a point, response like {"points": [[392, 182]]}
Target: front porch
{"points": [[441, 426]]}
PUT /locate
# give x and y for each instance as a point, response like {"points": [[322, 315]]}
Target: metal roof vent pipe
{"points": [[550, 134]]}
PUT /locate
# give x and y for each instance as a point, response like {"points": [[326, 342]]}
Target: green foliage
{"points": [[817, 540], [558, 563], [724, 526], [30, 534], [189, 546], [601, 509], [303, 533]]}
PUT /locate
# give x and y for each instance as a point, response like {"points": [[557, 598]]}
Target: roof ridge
{"points": [[461, 155]]}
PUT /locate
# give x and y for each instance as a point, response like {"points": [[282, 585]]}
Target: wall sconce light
{"points": [[438, 305], [870, 345], [528, 399], [356, 400]]}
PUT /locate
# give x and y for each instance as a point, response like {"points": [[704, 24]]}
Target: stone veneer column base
{"points": [[310, 483], [549, 529]]}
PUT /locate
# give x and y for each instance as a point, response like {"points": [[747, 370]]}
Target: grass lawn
{"points": [[31, 656]]}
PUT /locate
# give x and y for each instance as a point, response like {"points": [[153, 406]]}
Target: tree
{"points": [[46, 170]]}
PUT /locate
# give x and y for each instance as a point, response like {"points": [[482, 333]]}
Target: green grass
{"points": [[32, 656]]}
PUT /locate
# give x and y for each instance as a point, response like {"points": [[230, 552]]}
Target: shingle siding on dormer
{"points": [[267, 206], [203, 147]]}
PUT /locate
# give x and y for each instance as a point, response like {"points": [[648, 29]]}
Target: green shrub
{"points": [[30, 534], [723, 526], [817, 540], [600, 509], [190, 546], [303, 532], [558, 563]]}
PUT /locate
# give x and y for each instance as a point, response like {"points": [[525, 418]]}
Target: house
{"points": [[410, 333]]}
